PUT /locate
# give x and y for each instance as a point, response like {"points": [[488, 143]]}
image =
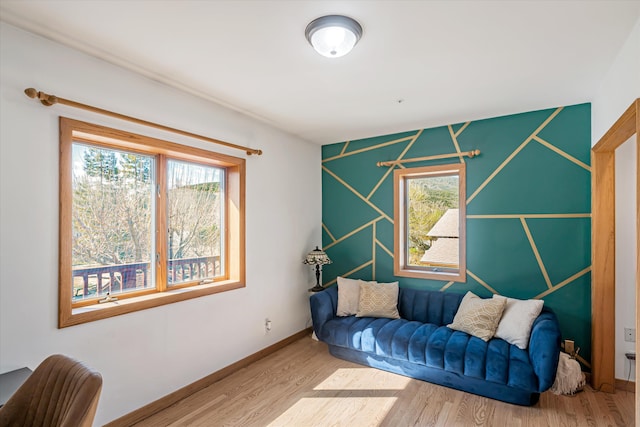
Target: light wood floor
{"points": [[303, 385]]}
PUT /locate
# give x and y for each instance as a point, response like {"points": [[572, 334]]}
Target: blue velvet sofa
{"points": [[419, 345]]}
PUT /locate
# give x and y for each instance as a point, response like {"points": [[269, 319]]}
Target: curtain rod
{"points": [[471, 154], [49, 100]]}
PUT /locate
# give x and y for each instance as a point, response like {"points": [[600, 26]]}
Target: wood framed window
{"points": [[146, 221], [429, 223]]}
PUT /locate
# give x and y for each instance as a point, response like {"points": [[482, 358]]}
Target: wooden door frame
{"points": [[603, 250]]}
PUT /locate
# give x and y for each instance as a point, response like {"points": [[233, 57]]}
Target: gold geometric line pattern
{"points": [[447, 286], [497, 170], [482, 282], [464, 126], [373, 147], [364, 199], [373, 260], [512, 155], [409, 145], [384, 248], [562, 153], [346, 144], [380, 182], [349, 273], [455, 143], [357, 230], [373, 252], [563, 283], [535, 252], [520, 216], [328, 232]]}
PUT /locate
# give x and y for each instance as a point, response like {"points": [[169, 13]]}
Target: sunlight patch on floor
{"points": [[363, 379], [348, 397], [336, 411]]}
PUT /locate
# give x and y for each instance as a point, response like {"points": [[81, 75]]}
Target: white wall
{"points": [[626, 254], [145, 355], [619, 89]]}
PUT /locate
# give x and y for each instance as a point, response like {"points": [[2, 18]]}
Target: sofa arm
{"points": [[323, 308], [544, 348]]}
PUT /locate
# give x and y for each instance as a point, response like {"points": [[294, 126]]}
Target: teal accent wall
{"points": [[528, 208]]}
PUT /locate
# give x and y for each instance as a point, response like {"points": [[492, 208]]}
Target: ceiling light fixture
{"points": [[333, 36]]}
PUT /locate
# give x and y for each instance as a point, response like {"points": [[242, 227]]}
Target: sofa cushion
{"points": [[378, 300], [435, 346], [418, 343], [477, 316]]}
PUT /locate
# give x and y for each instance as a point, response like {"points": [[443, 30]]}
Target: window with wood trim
{"points": [[144, 222], [429, 223]]}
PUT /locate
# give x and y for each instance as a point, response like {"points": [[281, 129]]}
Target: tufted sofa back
{"points": [[424, 306]]}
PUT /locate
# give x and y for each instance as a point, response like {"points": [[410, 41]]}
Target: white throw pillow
{"points": [[348, 296], [378, 300], [517, 320]]}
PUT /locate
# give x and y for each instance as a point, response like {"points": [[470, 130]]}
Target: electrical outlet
{"points": [[267, 326], [629, 335]]}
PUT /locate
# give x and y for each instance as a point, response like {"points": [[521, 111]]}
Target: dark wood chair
{"points": [[61, 392]]}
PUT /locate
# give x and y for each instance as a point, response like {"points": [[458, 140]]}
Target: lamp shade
{"points": [[333, 36], [317, 257]]}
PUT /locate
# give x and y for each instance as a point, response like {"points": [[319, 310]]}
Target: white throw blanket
{"points": [[569, 377]]}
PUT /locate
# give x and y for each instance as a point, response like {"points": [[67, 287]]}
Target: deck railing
{"points": [[122, 277], [184, 269]]}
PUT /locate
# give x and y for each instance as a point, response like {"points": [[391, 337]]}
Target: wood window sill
{"points": [[97, 311]]}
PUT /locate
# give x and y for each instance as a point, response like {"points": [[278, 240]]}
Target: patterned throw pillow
{"points": [[378, 300], [478, 317]]}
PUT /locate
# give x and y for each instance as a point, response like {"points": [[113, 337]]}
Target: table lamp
{"points": [[317, 257]]}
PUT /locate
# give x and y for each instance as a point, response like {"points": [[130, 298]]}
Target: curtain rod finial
{"points": [[31, 92], [45, 99]]}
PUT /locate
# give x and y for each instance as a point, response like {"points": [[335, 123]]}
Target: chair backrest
{"points": [[61, 392]]}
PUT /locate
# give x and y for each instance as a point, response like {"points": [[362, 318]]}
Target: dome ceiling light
{"points": [[333, 36]]}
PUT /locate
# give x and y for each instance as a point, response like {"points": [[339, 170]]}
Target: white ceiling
{"points": [[448, 61]]}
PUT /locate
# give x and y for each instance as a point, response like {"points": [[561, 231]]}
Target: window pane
{"points": [[195, 212], [112, 213], [433, 223]]}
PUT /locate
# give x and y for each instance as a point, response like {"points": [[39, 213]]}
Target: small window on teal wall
{"points": [[429, 223]]}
